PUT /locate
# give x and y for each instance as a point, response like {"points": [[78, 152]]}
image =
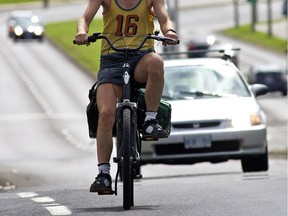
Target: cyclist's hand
{"points": [[173, 36], [82, 39]]}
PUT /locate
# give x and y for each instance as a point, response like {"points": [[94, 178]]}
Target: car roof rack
{"points": [[227, 53]]}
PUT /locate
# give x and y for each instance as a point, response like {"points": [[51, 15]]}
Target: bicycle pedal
{"points": [[138, 176], [116, 160], [107, 192], [150, 139]]}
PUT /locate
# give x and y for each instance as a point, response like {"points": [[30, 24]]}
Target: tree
{"points": [[45, 3], [269, 18], [236, 13], [253, 14]]}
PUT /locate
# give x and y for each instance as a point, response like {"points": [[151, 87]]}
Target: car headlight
{"points": [[38, 30], [30, 29], [18, 30], [246, 121], [210, 39]]}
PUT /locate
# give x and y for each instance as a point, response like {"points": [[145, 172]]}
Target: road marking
{"points": [[48, 203], [40, 116], [28, 82], [59, 210], [90, 148], [43, 199], [27, 194]]}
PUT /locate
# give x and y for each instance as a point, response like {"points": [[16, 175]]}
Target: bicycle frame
{"points": [[127, 152]]}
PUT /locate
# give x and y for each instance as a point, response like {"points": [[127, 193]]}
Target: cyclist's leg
{"points": [[106, 100], [150, 70]]}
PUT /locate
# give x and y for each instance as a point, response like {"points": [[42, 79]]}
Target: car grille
{"points": [[196, 125], [216, 146]]}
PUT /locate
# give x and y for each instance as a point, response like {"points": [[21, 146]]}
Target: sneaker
{"points": [[102, 184], [151, 129]]}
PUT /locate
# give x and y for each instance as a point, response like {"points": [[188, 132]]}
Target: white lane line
{"points": [[43, 199], [48, 203], [90, 148], [40, 116], [28, 82], [58, 210], [27, 194]]}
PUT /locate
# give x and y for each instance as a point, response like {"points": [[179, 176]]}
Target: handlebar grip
{"points": [[91, 38]]}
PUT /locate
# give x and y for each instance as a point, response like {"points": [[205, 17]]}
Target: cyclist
{"points": [[121, 20]]}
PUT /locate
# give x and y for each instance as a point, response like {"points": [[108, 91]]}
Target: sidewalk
{"points": [[188, 4], [279, 28]]}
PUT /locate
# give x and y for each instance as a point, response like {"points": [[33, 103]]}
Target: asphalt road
{"points": [[48, 162]]}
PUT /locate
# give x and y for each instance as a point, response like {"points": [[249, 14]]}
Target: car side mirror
{"points": [[259, 89]]}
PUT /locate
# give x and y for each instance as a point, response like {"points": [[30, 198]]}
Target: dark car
{"points": [[24, 25], [270, 75], [199, 45]]}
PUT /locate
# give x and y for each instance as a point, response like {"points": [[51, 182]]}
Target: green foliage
{"points": [[257, 38], [16, 1], [62, 34]]}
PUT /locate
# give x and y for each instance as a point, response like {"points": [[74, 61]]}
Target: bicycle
{"points": [[127, 133]]}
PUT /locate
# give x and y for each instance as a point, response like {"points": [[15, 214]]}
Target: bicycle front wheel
{"points": [[127, 161]]}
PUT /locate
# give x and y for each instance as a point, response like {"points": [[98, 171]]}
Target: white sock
{"points": [[104, 168], [150, 115]]}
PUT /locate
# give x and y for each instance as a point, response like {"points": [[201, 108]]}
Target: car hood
{"points": [[215, 108]]}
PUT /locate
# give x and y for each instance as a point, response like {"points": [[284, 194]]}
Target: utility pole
{"points": [[45, 3], [269, 18], [173, 13], [253, 14], [236, 13]]}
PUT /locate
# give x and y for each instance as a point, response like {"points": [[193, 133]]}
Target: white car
{"points": [[215, 116]]}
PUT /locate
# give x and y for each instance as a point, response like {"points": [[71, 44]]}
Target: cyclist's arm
{"points": [[84, 22], [164, 19]]}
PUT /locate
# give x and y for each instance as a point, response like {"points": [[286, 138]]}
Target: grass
{"points": [[244, 33], [63, 33], [16, 1], [279, 153]]}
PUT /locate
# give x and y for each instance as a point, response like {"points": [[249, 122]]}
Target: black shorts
{"points": [[111, 68]]}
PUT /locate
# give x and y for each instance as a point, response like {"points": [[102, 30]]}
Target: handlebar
{"points": [[95, 36]]}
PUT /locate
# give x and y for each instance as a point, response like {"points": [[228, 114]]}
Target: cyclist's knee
{"points": [[106, 118], [155, 65], [156, 60]]}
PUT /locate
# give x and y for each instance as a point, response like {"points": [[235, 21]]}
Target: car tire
{"points": [[15, 39], [256, 163]]}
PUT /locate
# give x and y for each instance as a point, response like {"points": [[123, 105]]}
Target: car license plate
{"points": [[197, 141]]}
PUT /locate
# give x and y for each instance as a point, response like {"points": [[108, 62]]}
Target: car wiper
{"points": [[201, 93], [166, 97]]}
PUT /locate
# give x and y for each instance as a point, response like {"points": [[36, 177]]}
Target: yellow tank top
{"points": [[120, 24]]}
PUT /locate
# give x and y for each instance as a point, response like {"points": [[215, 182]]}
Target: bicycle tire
{"points": [[127, 163]]}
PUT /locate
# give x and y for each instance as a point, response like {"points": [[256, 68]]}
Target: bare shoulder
{"points": [[156, 3], [105, 3]]}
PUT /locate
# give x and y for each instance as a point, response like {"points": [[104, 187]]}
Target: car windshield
{"points": [[26, 20], [202, 81]]}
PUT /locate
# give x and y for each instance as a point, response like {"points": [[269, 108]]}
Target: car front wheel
{"points": [[255, 163]]}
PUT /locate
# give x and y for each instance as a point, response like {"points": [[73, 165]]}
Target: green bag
{"points": [[163, 112]]}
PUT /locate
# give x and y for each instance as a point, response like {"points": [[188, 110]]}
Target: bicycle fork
{"points": [[134, 151]]}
